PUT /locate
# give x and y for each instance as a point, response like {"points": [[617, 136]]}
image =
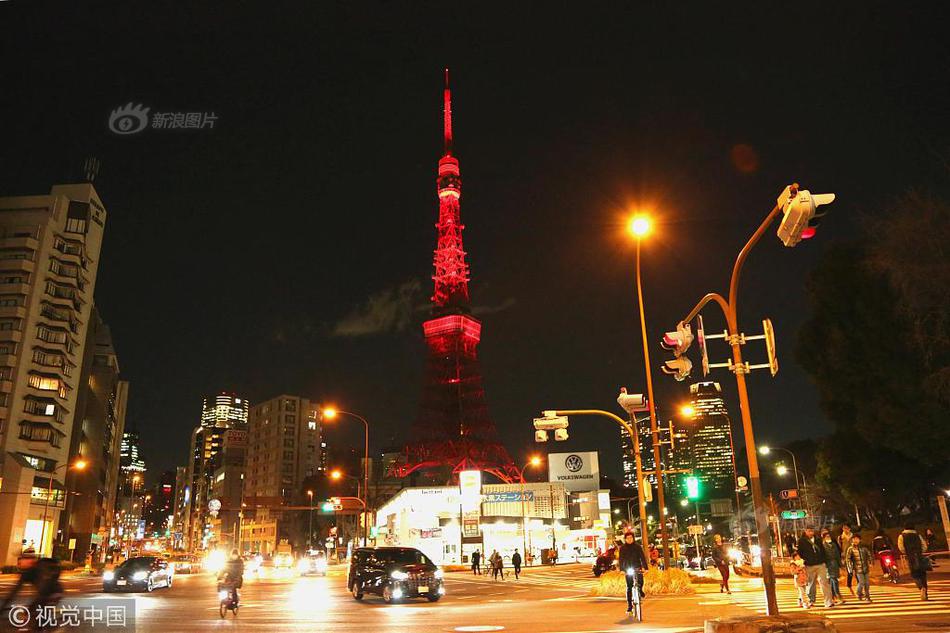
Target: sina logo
{"points": [[573, 463], [128, 119]]}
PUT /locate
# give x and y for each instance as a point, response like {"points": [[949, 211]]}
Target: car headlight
{"points": [[398, 575], [321, 564], [439, 573], [303, 565], [108, 575], [140, 575]]}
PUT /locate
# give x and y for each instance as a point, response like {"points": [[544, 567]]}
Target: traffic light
{"points": [[692, 488], [678, 342], [326, 506], [679, 368], [801, 217]]}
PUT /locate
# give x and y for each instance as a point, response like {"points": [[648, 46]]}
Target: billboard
{"points": [[578, 471]]}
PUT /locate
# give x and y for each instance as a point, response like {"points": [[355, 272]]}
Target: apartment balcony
{"points": [[12, 312], [20, 242], [7, 360], [17, 265], [11, 335], [6, 386], [14, 289]]}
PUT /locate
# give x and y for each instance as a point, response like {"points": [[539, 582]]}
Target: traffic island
{"points": [[794, 623]]}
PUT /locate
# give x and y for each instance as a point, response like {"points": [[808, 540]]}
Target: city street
{"points": [[543, 600]]}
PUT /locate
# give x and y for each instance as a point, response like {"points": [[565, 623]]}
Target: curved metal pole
{"points": [[644, 532]]}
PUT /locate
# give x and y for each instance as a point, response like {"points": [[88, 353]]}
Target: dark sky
{"points": [[239, 257]]}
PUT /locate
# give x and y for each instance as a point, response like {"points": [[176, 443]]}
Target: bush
{"points": [[655, 583]]}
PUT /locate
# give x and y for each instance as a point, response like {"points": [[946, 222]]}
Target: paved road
{"points": [[545, 600]]}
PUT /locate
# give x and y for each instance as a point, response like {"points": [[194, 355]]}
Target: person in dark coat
{"points": [[813, 554], [476, 559], [721, 558], [844, 543], [858, 559], [832, 564], [516, 563], [912, 546], [630, 556]]}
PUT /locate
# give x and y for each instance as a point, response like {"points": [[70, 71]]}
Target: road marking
{"points": [[479, 627]]}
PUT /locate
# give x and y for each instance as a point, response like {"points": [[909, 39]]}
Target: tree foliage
{"points": [[877, 345]]}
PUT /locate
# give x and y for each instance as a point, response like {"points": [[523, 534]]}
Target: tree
{"points": [[877, 346]]}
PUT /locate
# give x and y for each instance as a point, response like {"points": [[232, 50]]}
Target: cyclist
{"points": [[232, 576], [630, 557]]}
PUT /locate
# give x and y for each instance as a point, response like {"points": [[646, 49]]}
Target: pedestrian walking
{"points": [[930, 540], [858, 560], [516, 563], [800, 577], [812, 552], [844, 542], [721, 558], [912, 546], [497, 565], [832, 564], [790, 543], [476, 560]]}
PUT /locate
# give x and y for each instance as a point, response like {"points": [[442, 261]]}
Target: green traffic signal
{"points": [[692, 488], [326, 506]]}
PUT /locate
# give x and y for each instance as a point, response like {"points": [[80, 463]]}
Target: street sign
{"points": [[789, 494], [794, 514], [742, 484], [696, 530], [773, 518], [720, 507], [337, 507], [770, 345]]}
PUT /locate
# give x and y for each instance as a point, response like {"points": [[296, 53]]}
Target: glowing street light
{"points": [[781, 469], [331, 413], [639, 225], [535, 461], [79, 464], [687, 411]]}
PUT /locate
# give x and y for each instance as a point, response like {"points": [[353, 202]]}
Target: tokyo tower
{"points": [[453, 431]]}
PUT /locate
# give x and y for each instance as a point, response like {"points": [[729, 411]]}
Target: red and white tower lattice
{"points": [[453, 431]]}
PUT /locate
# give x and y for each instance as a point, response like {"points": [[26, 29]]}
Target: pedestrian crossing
{"points": [[886, 601], [567, 578]]}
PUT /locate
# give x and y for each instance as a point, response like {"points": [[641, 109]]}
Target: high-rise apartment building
{"points": [[711, 439], [219, 414], [98, 430], [49, 259], [284, 449]]}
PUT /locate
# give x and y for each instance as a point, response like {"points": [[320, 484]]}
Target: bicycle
{"points": [[637, 599]]}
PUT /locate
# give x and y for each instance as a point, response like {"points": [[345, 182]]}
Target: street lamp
{"points": [[534, 461], [79, 464], [687, 411], [640, 226], [310, 522], [330, 414]]}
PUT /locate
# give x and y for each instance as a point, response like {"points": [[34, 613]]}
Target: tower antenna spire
{"points": [[447, 113]]}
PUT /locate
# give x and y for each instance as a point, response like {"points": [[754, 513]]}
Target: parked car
{"points": [[395, 573], [605, 562], [142, 573], [283, 560], [185, 564]]}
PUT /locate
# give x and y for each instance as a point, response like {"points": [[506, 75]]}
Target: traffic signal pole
{"points": [[735, 340]]}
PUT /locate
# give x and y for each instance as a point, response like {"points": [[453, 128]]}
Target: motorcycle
{"points": [[889, 565], [228, 597]]}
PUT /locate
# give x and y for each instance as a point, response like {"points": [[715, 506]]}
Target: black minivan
{"points": [[394, 573]]}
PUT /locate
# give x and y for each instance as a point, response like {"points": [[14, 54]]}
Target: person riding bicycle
{"points": [[630, 560], [232, 576]]}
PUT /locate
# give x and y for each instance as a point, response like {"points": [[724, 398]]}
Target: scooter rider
{"points": [[630, 557]]}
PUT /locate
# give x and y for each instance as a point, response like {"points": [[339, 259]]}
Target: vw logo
{"points": [[574, 463]]}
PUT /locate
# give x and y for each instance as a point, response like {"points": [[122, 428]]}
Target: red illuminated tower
{"points": [[454, 431]]}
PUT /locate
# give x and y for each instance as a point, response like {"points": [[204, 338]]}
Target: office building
{"points": [[711, 439], [285, 449], [219, 414], [49, 259], [98, 431]]}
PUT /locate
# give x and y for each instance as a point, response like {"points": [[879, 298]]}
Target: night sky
{"points": [[288, 249]]}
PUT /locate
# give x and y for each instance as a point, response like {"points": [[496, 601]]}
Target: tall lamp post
{"points": [[310, 522], [640, 227], [79, 464], [534, 461], [330, 413]]}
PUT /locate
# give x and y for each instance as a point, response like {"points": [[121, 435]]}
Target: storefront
{"points": [[449, 523]]}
